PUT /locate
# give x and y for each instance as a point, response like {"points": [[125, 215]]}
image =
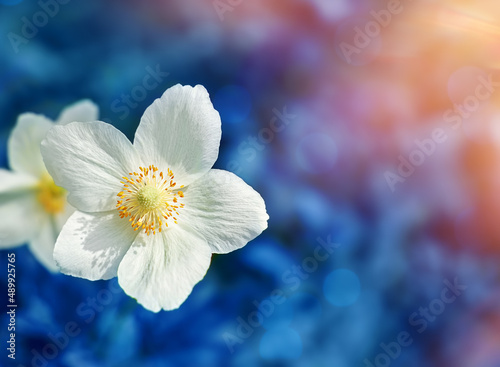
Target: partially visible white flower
{"points": [[32, 208], [152, 212]]}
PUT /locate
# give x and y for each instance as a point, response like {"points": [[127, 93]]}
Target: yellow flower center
{"points": [[51, 196], [150, 199]]}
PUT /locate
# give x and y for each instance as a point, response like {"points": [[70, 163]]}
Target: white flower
{"points": [[153, 212], [32, 208]]}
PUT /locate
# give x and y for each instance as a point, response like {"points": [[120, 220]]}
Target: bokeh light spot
{"points": [[317, 153], [333, 10], [342, 288], [233, 103], [281, 344]]}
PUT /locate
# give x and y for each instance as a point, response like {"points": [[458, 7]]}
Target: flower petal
{"points": [[21, 217], [24, 144], [89, 159], [12, 182], [81, 111], [181, 131], [221, 208], [91, 246], [161, 270], [42, 245]]}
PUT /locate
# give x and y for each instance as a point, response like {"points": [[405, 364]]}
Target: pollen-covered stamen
{"points": [[150, 199], [51, 197]]}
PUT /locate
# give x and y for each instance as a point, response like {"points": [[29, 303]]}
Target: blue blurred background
{"points": [[370, 276]]}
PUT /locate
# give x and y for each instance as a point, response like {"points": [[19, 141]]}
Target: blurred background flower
{"points": [[33, 208], [319, 101]]}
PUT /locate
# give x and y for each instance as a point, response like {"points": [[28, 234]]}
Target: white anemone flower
{"points": [[152, 212], [32, 208]]}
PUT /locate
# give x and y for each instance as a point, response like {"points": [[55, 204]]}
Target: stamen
{"points": [[149, 200], [51, 196]]}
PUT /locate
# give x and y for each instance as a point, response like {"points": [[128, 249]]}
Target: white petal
{"points": [[89, 160], [81, 111], [91, 246], [12, 182], [221, 208], [181, 131], [42, 245], [161, 270], [21, 217], [24, 144]]}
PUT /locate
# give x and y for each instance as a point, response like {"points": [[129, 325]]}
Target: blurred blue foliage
{"points": [[102, 51]]}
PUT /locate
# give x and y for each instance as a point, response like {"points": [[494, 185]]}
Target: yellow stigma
{"points": [[150, 199], [51, 196]]}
